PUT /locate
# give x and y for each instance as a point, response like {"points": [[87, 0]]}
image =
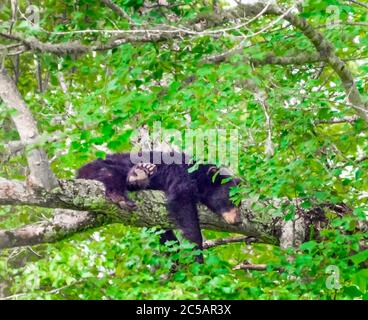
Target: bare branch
{"points": [[64, 88], [12, 50], [15, 63], [39, 74], [269, 146], [217, 242], [64, 223], [14, 7], [16, 192], [248, 266], [251, 266]]}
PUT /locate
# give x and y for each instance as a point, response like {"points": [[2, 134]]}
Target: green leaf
{"points": [[309, 246], [360, 257]]}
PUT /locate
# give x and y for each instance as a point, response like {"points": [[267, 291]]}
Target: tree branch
{"points": [[270, 58], [118, 10], [41, 174], [349, 119], [155, 34], [250, 266], [63, 224], [327, 51], [323, 46], [13, 147], [217, 242], [299, 59], [364, 5], [75, 47], [87, 195], [84, 206]]}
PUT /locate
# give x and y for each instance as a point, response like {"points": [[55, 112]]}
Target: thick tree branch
{"points": [[41, 174], [85, 206], [87, 195], [63, 224]]}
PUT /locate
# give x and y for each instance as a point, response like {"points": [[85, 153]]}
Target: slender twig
{"points": [[364, 158], [34, 252], [118, 10], [68, 105], [39, 74], [248, 266], [217, 242], [350, 119], [251, 266]]}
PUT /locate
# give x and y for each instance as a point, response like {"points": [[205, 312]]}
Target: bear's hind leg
{"points": [[168, 235], [183, 209]]}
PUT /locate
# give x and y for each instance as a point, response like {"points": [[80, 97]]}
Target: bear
{"points": [[184, 188]]}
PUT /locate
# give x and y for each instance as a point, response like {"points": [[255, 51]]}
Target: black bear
{"points": [[183, 188]]}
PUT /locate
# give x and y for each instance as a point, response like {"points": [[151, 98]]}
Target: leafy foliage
{"points": [[112, 93]]}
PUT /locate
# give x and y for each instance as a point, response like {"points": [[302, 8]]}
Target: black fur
{"points": [[182, 188]]}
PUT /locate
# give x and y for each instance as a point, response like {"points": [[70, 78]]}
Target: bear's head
{"points": [[214, 191]]}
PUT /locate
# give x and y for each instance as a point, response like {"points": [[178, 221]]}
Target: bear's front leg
{"points": [[139, 176], [113, 176]]}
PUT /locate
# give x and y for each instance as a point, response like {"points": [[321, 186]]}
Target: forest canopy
{"points": [[80, 78]]}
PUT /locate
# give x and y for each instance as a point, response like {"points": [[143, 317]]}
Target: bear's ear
{"points": [[219, 171], [212, 171], [226, 172]]}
